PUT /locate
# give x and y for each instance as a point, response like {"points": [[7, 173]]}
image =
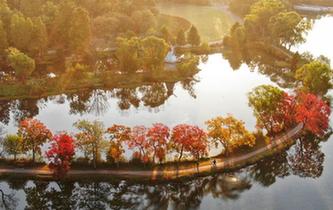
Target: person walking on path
{"points": [[214, 164]]}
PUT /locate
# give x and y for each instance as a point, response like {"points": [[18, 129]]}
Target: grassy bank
{"points": [[173, 23], [211, 21], [69, 83]]}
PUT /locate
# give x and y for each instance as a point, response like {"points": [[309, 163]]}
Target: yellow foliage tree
{"points": [[230, 132]]}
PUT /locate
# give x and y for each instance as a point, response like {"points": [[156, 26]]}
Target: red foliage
{"points": [[313, 112], [188, 138], [60, 154], [34, 134], [304, 108], [284, 117], [138, 140], [119, 133], [158, 137]]}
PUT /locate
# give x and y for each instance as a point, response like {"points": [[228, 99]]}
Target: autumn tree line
{"points": [[276, 112]]}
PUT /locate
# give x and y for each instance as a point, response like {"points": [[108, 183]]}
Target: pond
{"points": [[290, 180]]}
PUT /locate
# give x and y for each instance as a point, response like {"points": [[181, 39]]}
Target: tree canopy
{"points": [[315, 77], [230, 132]]}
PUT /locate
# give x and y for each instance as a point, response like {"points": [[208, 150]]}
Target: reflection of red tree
{"points": [[306, 159], [60, 154]]}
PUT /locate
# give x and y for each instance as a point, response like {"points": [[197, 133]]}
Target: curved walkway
{"points": [[158, 173]]}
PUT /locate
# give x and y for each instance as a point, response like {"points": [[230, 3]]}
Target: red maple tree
{"points": [[191, 139], [34, 135], [313, 112], [158, 137], [118, 135], [284, 116], [138, 140], [60, 154], [304, 108]]}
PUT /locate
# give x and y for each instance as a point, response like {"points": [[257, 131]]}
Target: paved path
{"points": [[160, 173]]}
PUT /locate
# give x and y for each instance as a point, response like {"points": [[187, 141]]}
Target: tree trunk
{"points": [[154, 155], [94, 158], [225, 147], [3, 198], [181, 155], [33, 155]]}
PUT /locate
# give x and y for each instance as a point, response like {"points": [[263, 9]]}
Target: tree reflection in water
{"points": [[5, 109], [280, 70], [20, 108], [126, 195], [267, 170], [306, 159], [8, 200], [96, 101], [92, 101], [27, 108], [127, 97], [154, 95]]}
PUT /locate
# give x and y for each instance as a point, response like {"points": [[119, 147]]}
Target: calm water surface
{"points": [[279, 182]]}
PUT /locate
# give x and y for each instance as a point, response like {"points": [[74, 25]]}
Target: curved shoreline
{"points": [[204, 167]]}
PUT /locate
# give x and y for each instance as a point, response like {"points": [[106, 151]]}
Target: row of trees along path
{"points": [[171, 173]]}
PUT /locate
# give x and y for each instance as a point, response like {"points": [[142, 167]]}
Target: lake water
{"points": [[280, 182]]}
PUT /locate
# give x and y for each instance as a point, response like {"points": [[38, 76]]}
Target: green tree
{"points": [[21, 32], [237, 37], [128, 54], [12, 145], [181, 40], [79, 31], [165, 34], [257, 21], [49, 13], [144, 20], [91, 139], [40, 40], [315, 77], [5, 14], [22, 64], [105, 27], [154, 52], [265, 101], [193, 36], [288, 28], [62, 23], [31, 8], [3, 40]]}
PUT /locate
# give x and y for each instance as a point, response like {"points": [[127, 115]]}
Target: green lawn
{"points": [[173, 23], [213, 22]]}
